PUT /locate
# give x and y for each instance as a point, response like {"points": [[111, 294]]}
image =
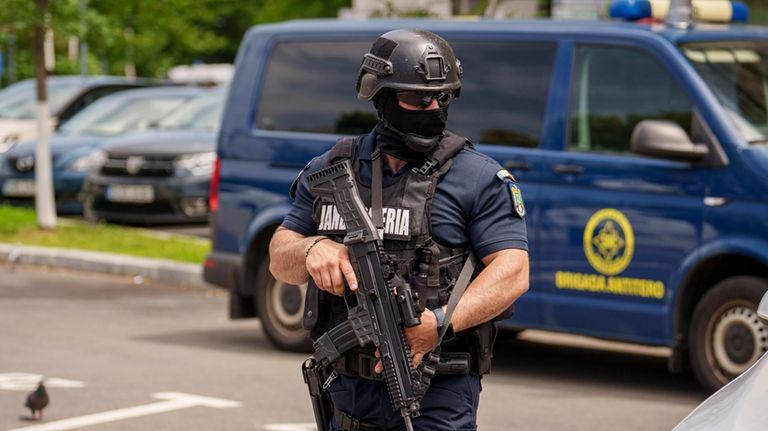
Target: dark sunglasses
{"points": [[422, 99]]}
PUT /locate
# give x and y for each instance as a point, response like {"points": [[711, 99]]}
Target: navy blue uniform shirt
{"points": [[471, 206]]}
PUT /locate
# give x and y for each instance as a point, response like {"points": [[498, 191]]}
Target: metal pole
{"points": [[12, 58], [83, 43], [44, 198], [130, 67]]}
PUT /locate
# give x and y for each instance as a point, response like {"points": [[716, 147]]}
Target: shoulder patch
{"points": [[517, 199], [295, 184], [504, 174]]}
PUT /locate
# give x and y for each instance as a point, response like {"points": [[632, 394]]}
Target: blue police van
{"points": [[641, 149]]}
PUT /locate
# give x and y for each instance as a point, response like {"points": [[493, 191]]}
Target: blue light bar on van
{"points": [[703, 10]]}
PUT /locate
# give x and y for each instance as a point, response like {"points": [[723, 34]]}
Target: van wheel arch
{"points": [[725, 335], [703, 279], [278, 305]]}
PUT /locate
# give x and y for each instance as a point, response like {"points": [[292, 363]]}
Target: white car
{"points": [[67, 95], [741, 404]]}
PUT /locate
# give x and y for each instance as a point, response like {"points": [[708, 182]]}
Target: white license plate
{"points": [[19, 188], [139, 194]]}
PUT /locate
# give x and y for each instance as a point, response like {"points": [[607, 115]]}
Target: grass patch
{"points": [[19, 225]]}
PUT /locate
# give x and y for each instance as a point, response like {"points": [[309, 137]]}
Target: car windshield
{"points": [[201, 113], [115, 115], [18, 101], [737, 72]]}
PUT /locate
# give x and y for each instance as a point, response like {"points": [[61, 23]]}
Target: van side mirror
{"points": [[662, 138], [762, 309]]}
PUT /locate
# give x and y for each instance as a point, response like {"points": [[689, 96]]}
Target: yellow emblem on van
{"points": [[609, 244], [609, 241]]}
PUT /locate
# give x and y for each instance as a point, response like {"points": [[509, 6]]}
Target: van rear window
{"points": [[504, 91], [310, 87]]}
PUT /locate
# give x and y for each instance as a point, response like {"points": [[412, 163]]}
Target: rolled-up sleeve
{"points": [[299, 219]]}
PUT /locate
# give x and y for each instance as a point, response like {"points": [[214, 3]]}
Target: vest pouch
{"points": [[318, 309], [422, 265], [482, 338], [311, 306], [332, 311], [433, 279]]}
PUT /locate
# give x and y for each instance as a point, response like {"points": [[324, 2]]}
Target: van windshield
{"points": [[737, 72]]}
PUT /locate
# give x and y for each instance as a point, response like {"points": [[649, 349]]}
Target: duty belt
{"points": [[357, 363]]}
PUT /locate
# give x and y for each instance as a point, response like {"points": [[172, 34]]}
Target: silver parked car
{"points": [[161, 175], [741, 404]]}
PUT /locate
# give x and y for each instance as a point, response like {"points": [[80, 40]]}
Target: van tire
{"points": [[726, 336], [280, 307]]}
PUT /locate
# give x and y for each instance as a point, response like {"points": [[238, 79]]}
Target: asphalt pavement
{"points": [[125, 356]]}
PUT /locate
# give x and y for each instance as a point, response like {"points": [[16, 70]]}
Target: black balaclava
{"points": [[405, 134]]}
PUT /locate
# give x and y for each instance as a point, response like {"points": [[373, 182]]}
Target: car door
{"points": [[614, 226]]}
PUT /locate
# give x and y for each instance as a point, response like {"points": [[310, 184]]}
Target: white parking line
{"points": [[291, 427], [29, 381], [174, 401]]}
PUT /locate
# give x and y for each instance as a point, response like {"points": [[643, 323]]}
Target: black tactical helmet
{"points": [[409, 60]]}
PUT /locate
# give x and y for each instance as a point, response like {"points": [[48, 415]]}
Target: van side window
{"points": [[613, 89], [310, 87], [504, 91]]}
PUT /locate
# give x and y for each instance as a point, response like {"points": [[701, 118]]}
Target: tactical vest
{"points": [[407, 230]]}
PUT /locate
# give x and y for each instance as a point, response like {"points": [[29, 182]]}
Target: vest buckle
{"points": [[426, 168]]}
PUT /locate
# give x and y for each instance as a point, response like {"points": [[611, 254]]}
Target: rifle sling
{"points": [[458, 290], [377, 190]]}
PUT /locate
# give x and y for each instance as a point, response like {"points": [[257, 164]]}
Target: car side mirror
{"points": [[662, 138], [762, 309]]}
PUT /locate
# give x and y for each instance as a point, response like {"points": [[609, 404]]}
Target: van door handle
{"points": [[562, 169], [516, 165]]}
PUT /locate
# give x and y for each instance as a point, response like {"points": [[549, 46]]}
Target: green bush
{"points": [[19, 226]]}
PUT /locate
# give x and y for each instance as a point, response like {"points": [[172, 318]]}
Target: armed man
{"points": [[437, 205]]}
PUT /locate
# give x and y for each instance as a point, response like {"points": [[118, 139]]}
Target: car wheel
{"points": [[281, 309], [726, 336]]}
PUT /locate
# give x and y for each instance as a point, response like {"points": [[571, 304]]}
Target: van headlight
{"points": [[88, 162], [197, 164]]}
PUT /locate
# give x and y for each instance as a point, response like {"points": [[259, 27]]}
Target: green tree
{"points": [[758, 12], [153, 35]]}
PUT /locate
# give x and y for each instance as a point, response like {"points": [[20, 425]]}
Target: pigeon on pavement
{"points": [[37, 400]]}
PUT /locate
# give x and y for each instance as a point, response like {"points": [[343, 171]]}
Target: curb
{"points": [[107, 263]]}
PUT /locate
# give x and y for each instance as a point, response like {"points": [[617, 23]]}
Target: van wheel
{"points": [[726, 336], [280, 307]]}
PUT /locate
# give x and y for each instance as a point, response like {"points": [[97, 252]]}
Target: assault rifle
{"points": [[379, 310]]}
